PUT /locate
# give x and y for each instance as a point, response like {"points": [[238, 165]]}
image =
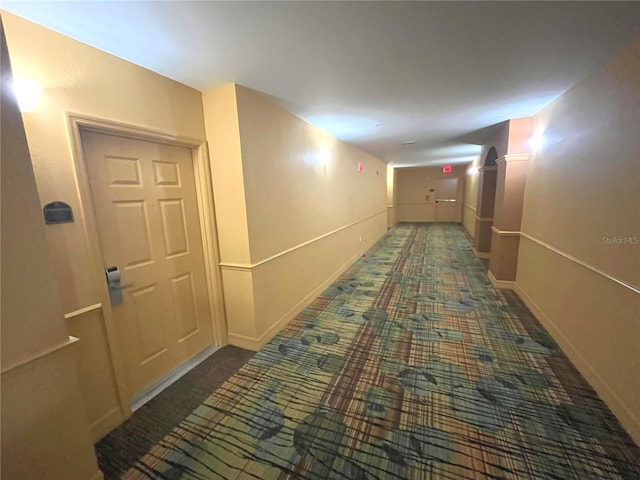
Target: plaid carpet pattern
{"points": [[410, 366], [118, 451]]}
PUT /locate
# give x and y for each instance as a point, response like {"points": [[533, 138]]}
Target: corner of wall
{"points": [[470, 201], [45, 434], [225, 151], [307, 212]]}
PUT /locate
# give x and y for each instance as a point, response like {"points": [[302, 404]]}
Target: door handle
{"points": [[114, 285]]}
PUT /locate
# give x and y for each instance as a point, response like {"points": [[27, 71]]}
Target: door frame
{"points": [[77, 123]]}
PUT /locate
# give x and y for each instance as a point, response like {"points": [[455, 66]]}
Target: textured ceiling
{"points": [[374, 74]]}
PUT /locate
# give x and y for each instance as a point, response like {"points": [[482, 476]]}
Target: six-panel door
{"points": [[145, 203]]}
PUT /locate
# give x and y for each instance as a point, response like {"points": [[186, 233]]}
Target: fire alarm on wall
{"points": [[360, 167], [446, 169]]}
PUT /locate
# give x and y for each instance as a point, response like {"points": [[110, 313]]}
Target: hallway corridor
{"points": [[411, 365]]}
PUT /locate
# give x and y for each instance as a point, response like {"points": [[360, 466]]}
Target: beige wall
{"points": [[582, 189], [520, 131], [45, 434], [223, 135], [512, 172], [292, 197], [470, 199], [412, 185], [78, 78], [309, 213]]}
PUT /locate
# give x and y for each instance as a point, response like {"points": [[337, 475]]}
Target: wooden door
{"points": [[447, 200], [145, 203]]}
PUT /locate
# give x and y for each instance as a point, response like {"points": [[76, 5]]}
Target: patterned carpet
{"points": [[121, 448], [410, 366]]}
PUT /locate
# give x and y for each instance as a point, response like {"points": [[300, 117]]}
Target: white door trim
{"points": [[206, 209]]}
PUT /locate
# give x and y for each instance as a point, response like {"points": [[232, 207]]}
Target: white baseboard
{"points": [[148, 393], [620, 410], [500, 283], [480, 254]]}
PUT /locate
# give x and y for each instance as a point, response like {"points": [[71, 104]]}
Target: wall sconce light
{"points": [[318, 157], [26, 92], [536, 142], [324, 156]]}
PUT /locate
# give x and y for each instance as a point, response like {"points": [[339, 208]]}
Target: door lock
{"points": [[114, 285]]}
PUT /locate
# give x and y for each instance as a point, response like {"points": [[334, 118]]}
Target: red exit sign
{"points": [[446, 169]]}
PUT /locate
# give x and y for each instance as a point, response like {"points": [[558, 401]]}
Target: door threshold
{"points": [[154, 389]]}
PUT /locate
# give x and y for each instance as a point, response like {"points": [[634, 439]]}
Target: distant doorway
{"points": [[447, 207]]}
